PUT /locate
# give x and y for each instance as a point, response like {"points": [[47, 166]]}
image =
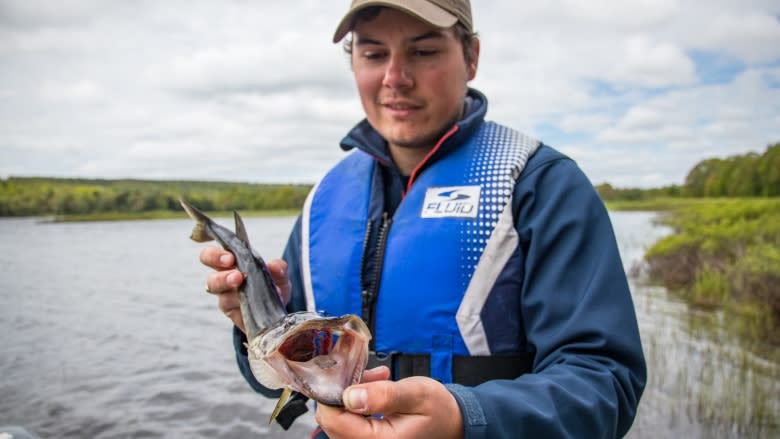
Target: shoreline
{"points": [[157, 215]]}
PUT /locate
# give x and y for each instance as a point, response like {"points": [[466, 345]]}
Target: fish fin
{"points": [[283, 398], [241, 229], [199, 232]]}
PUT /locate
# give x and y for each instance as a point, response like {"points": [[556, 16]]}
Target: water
{"points": [[106, 332], [701, 382]]}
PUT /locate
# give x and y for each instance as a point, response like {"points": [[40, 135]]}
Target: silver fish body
{"points": [[303, 351]]}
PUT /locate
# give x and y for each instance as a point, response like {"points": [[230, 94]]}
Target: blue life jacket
{"points": [[443, 249]]}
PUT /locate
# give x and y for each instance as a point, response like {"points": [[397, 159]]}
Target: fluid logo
{"points": [[451, 202]]}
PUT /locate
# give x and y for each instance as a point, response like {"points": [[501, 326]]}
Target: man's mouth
{"points": [[400, 108]]}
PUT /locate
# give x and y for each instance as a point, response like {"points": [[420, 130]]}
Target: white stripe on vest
{"points": [[512, 149]]}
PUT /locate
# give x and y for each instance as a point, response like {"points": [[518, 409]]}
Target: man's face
{"points": [[411, 78]]}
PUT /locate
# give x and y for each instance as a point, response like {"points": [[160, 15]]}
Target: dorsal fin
{"points": [[241, 229]]}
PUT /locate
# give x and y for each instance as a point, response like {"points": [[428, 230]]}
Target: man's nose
{"points": [[398, 73]]}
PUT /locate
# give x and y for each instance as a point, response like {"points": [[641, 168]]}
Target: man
{"points": [[483, 261]]}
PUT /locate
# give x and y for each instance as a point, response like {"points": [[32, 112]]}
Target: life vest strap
{"points": [[466, 370]]}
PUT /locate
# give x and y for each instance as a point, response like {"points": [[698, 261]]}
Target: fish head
{"points": [[314, 355]]}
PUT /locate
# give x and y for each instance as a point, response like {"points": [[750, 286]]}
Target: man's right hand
{"points": [[224, 282]]}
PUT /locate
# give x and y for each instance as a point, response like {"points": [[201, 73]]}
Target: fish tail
{"points": [[200, 232]]}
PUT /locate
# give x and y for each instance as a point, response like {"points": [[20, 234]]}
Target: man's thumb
{"points": [[356, 399], [404, 396]]}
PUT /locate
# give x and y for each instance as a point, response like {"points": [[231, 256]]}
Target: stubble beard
{"points": [[427, 141]]}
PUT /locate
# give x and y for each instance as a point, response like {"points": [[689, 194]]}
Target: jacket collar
{"points": [[368, 140]]}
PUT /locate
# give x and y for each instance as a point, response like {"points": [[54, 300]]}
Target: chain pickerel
{"points": [[303, 351]]}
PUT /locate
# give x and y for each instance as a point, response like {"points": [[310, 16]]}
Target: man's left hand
{"points": [[415, 407]]}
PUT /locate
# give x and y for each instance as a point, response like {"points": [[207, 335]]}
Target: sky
{"points": [[635, 91]]}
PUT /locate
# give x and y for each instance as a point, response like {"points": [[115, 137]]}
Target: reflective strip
{"points": [[305, 261], [499, 249]]}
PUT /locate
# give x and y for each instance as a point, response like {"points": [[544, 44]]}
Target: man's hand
{"points": [[416, 407], [225, 281]]}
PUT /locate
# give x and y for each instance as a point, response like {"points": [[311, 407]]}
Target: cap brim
{"points": [[423, 11]]}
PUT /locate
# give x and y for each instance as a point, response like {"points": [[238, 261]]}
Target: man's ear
{"points": [[472, 67]]}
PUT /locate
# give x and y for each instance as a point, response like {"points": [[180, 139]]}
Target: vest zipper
{"points": [[370, 294], [364, 257], [364, 283]]}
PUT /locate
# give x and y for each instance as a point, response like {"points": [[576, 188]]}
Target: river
{"points": [[106, 332]]}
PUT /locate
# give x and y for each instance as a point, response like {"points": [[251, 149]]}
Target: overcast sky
{"points": [[636, 91]]}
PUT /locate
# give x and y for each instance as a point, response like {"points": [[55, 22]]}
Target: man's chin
{"points": [[414, 142]]}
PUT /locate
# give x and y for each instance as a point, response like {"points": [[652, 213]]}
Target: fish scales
{"points": [[265, 306]]}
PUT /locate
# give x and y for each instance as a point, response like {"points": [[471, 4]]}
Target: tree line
{"points": [[746, 175], [36, 196]]}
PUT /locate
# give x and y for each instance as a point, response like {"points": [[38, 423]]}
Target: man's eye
{"points": [[425, 52], [373, 55]]}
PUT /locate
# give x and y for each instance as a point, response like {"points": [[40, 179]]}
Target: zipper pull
{"points": [[366, 300]]}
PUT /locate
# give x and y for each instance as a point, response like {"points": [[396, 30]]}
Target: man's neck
{"points": [[406, 159]]}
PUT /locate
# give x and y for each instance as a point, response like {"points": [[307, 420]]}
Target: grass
{"points": [[725, 254]]}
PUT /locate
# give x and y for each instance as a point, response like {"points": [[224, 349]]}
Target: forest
{"points": [[39, 196], [746, 175]]}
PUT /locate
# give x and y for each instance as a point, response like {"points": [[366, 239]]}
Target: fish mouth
{"points": [[322, 356]]}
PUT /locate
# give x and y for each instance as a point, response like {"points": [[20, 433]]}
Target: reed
{"points": [[725, 254]]}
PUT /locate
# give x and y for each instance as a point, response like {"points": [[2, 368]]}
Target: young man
{"points": [[483, 261]]}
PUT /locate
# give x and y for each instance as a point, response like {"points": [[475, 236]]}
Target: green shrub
{"points": [[725, 253]]}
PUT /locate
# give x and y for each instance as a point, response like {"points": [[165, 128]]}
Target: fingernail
{"points": [[356, 399], [235, 279], [225, 260]]}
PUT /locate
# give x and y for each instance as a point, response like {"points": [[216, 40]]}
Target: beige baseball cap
{"points": [[438, 13]]}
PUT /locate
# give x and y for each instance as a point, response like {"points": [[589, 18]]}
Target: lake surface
{"points": [[106, 332]]}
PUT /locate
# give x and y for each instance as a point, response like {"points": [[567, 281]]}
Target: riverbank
{"points": [[724, 256], [165, 214]]}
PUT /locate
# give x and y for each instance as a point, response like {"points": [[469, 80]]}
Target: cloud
{"points": [[82, 90], [723, 117], [645, 63], [750, 36], [636, 91], [585, 123], [32, 14], [251, 68]]}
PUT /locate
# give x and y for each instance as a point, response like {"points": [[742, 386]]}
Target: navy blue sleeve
{"points": [[589, 369], [292, 255]]}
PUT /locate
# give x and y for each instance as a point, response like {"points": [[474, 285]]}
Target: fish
{"points": [[306, 352]]}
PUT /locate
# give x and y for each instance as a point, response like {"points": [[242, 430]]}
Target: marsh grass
{"points": [[710, 289], [725, 254]]}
